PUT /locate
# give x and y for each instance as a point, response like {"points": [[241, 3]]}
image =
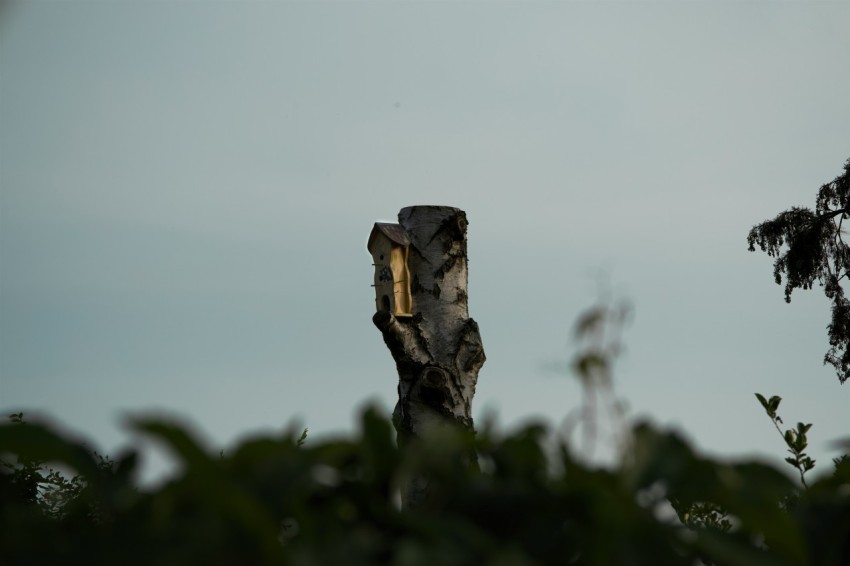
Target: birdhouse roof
{"points": [[392, 231]]}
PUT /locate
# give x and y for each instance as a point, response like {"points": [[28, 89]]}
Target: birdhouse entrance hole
{"points": [[385, 303]]}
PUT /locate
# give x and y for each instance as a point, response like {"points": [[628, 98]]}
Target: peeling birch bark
{"points": [[438, 351]]}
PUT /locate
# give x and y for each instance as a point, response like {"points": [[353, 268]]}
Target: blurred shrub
{"points": [[274, 501]]}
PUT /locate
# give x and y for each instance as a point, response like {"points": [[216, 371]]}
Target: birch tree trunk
{"points": [[438, 351]]}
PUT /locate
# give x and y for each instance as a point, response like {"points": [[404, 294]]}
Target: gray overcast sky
{"points": [[187, 189]]}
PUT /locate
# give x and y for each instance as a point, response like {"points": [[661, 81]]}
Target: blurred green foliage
{"points": [[526, 498], [278, 500]]}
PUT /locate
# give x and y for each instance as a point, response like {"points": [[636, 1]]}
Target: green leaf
{"points": [[37, 443], [774, 403], [790, 438], [177, 439], [206, 482], [762, 400], [590, 321], [588, 364]]}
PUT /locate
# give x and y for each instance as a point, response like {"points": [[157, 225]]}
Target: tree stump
{"points": [[438, 351]]}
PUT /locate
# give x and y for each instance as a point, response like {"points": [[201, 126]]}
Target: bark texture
{"points": [[438, 351]]}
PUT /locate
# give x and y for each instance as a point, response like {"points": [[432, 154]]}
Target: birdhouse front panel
{"points": [[384, 292]]}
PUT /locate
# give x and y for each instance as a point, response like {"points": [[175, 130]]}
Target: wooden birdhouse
{"points": [[388, 244]]}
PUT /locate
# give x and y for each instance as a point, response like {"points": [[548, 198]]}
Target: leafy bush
{"points": [[492, 498], [276, 501]]}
